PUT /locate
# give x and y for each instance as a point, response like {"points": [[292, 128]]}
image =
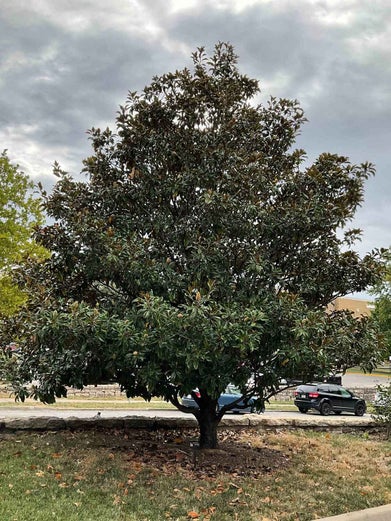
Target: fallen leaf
{"points": [[193, 515], [180, 457]]}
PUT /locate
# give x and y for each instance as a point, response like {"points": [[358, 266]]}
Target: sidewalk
{"points": [[382, 513]]}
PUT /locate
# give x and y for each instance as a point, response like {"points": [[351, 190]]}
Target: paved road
{"points": [[34, 412], [364, 380]]}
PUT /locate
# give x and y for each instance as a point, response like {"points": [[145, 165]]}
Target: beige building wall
{"points": [[359, 307]]}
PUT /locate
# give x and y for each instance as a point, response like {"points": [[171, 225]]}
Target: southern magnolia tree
{"points": [[199, 252], [19, 214]]}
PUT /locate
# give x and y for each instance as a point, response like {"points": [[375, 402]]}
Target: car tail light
{"points": [[313, 395], [198, 394], [296, 393]]}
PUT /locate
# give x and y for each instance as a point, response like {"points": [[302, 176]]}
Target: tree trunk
{"points": [[208, 422]]}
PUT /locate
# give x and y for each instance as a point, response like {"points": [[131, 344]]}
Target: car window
{"points": [[334, 389], [306, 388], [345, 393], [231, 389]]}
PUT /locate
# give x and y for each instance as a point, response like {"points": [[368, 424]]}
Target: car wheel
{"points": [[325, 409], [303, 409], [360, 409], [337, 412]]}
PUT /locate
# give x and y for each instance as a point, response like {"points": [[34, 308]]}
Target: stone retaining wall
{"points": [[252, 421], [107, 391], [96, 391]]}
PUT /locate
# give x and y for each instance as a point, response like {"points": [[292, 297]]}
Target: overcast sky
{"points": [[66, 66]]}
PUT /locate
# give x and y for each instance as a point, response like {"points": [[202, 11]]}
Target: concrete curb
{"points": [[47, 423], [382, 513]]}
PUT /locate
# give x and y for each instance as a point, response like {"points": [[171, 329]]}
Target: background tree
{"points": [[19, 214], [199, 252], [382, 311]]}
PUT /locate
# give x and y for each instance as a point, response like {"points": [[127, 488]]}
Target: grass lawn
{"points": [[384, 370], [96, 403], [152, 476]]}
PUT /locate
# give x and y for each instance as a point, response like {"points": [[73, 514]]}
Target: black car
{"points": [[328, 398]]}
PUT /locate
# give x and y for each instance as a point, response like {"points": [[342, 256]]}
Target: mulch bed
{"points": [[177, 451]]}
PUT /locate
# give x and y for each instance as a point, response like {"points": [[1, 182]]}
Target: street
{"points": [[364, 380]]}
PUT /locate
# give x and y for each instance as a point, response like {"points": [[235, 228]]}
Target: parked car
{"points": [[231, 394], [328, 398]]}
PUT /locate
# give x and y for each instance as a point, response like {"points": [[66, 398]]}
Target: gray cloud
{"points": [[66, 66]]}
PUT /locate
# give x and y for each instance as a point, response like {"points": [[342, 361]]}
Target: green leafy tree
{"points": [[19, 214], [200, 251], [382, 311]]}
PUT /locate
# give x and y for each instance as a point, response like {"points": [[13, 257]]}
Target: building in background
{"points": [[359, 307]]}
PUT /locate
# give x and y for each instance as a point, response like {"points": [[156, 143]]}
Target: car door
{"points": [[335, 397], [347, 400]]}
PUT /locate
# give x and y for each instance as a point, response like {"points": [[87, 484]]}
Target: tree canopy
{"points": [[201, 250], [382, 311], [19, 214]]}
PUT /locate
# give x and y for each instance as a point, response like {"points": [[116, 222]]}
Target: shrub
{"points": [[382, 406]]}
